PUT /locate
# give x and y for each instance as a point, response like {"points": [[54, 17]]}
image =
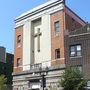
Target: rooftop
{"points": [[38, 9]]}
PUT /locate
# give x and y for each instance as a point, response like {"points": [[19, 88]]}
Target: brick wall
{"points": [[84, 41], [57, 39], [68, 21], [18, 50], [71, 24]]}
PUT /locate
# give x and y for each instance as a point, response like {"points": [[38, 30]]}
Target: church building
{"points": [[40, 45]]}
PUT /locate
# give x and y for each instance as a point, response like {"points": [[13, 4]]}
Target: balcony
{"points": [[36, 66], [30, 68], [43, 65]]}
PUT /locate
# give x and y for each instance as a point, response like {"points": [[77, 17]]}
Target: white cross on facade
{"points": [[38, 34]]}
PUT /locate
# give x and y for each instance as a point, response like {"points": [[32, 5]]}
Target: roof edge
{"points": [[75, 14]]}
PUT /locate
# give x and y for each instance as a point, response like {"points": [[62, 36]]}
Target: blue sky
{"points": [[10, 9]]}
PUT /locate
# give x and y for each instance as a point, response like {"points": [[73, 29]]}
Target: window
{"points": [[79, 67], [88, 83], [75, 50], [18, 39], [57, 53], [57, 28], [20, 87], [18, 62]]}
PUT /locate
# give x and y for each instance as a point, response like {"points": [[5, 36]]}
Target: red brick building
{"points": [[40, 43]]}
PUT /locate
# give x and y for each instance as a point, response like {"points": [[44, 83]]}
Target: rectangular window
{"points": [[75, 50], [72, 51], [18, 62], [88, 83], [18, 39], [78, 49], [57, 27], [79, 67], [57, 53], [20, 87]]}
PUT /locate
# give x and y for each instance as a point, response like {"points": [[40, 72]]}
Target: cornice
{"points": [[39, 9]]}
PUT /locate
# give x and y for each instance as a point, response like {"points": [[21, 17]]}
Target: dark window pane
{"points": [[72, 51], [56, 24], [57, 53], [18, 62], [18, 39], [75, 50]]}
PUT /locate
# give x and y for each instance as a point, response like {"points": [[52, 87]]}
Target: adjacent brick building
{"points": [[78, 49]]}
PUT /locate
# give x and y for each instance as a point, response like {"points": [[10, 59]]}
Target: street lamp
{"points": [[43, 73]]}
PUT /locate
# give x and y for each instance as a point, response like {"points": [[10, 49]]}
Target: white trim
{"points": [[40, 7], [76, 57], [57, 59], [26, 45], [79, 35], [18, 66], [38, 15], [19, 24]]}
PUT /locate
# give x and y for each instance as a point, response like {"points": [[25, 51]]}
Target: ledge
{"points": [[52, 68]]}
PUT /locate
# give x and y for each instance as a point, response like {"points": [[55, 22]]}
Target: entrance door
{"points": [[34, 84]]}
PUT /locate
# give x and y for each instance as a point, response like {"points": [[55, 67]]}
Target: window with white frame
{"points": [[75, 50]]}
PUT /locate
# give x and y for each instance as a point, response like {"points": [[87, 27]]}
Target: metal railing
{"points": [[36, 66], [40, 65]]}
